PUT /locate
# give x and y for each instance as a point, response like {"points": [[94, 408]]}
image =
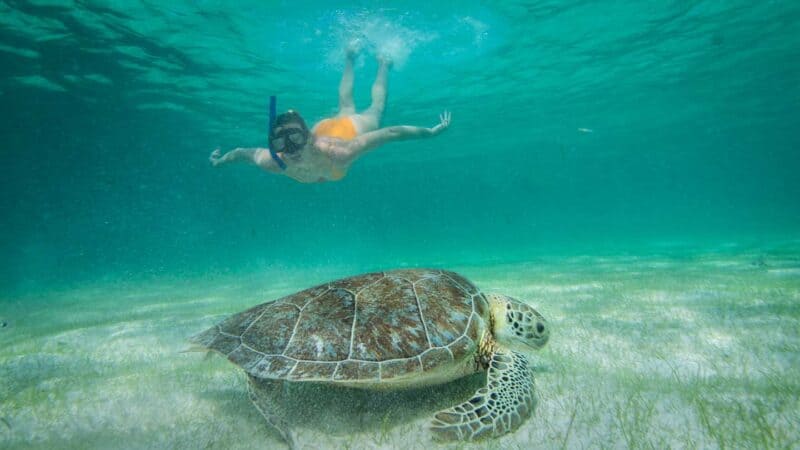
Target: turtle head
{"points": [[517, 323]]}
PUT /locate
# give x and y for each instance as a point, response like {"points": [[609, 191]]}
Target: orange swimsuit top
{"points": [[337, 127]]}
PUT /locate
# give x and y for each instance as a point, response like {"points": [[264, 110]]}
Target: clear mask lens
{"points": [[298, 138]]}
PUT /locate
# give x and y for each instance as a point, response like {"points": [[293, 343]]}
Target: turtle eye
{"points": [[540, 327]]}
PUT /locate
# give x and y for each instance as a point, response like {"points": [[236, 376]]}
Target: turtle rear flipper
{"points": [[494, 410]]}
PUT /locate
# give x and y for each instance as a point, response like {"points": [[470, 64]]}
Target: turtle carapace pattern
{"points": [[393, 330]]}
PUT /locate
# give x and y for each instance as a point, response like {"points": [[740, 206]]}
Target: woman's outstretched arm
{"points": [[258, 156], [373, 139]]}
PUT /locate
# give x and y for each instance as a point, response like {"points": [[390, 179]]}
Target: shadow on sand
{"points": [[338, 410]]}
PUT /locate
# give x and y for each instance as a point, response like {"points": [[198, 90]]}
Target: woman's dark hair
{"points": [[286, 118]]}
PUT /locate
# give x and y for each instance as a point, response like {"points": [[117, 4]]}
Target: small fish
{"points": [[5, 422], [759, 262], [3, 324], [586, 130]]}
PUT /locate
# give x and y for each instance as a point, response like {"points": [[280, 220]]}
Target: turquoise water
{"points": [[608, 150], [111, 112]]}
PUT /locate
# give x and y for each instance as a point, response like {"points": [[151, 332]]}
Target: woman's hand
{"points": [[444, 122], [215, 158]]}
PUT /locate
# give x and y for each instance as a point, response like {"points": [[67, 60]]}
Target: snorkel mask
{"points": [[285, 138]]}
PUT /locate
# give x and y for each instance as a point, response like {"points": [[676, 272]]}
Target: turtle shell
{"points": [[371, 327]]}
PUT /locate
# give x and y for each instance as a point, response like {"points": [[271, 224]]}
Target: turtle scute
{"points": [[370, 327]]}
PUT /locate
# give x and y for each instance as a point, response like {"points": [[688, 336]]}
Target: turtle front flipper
{"points": [[265, 396], [494, 410]]}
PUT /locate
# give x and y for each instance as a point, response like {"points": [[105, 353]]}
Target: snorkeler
{"points": [[326, 152]]}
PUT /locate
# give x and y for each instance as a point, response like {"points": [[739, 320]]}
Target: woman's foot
{"points": [[385, 61], [352, 49]]}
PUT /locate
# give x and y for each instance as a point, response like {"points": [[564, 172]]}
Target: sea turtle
{"points": [[392, 330]]}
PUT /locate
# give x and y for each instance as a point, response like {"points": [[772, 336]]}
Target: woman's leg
{"points": [[370, 118], [346, 105], [379, 91]]}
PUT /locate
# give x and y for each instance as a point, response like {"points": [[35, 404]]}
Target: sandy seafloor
{"points": [[699, 350]]}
